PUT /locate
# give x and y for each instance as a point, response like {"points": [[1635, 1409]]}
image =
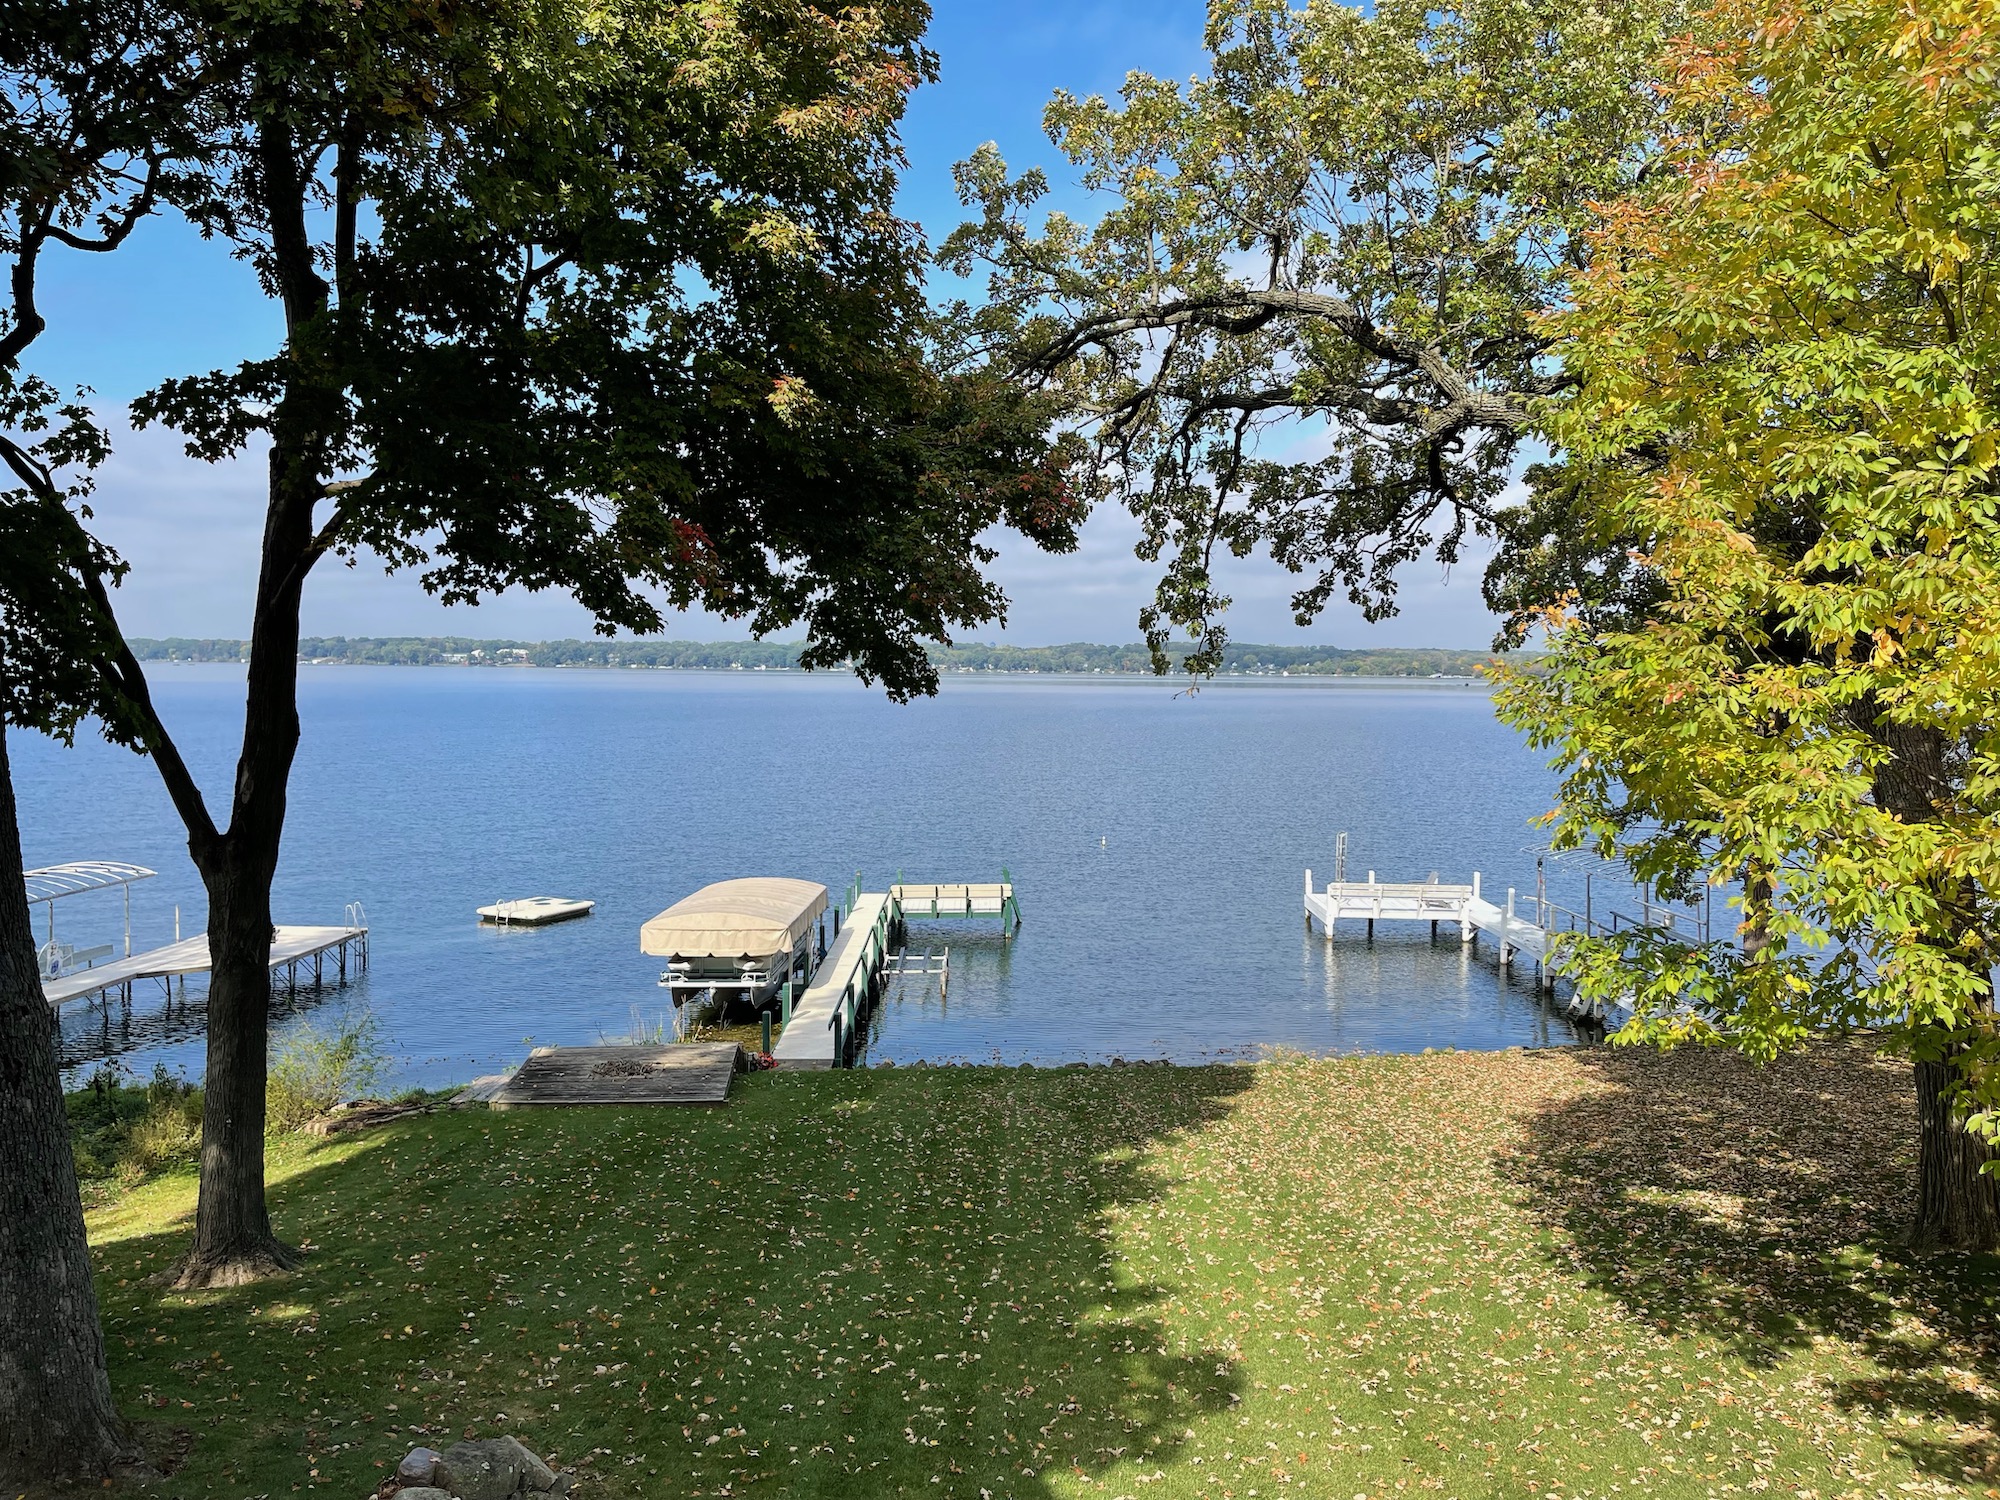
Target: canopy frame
{"points": [[51, 883]]}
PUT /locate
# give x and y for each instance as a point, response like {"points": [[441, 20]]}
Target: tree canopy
{"points": [[104, 107], [613, 297], [1787, 353], [1309, 318]]}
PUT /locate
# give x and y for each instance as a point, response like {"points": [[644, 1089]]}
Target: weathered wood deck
{"points": [[677, 1073]]}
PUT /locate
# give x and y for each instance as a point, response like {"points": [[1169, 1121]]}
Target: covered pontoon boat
{"points": [[741, 939]]}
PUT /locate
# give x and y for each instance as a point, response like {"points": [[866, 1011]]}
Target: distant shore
{"points": [[1079, 659]]}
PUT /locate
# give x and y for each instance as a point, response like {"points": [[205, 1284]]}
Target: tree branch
{"points": [[126, 219], [122, 667]]}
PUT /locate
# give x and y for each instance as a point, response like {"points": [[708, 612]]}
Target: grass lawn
{"points": [[1517, 1274]]}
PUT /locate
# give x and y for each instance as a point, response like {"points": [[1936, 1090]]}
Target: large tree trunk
{"points": [[233, 1239], [57, 1421], [1958, 1204]]}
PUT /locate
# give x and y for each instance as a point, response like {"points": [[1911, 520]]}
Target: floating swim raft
{"points": [[534, 911]]}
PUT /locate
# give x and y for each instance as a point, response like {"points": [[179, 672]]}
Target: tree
{"points": [[99, 109], [1788, 355], [57, 1418], [605, 298], [1341, 239]]}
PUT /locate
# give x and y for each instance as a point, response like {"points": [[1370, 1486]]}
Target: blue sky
{"points": [[168, 304]]}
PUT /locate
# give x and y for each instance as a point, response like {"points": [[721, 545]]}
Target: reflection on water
{"points": [[1157, 843], [161, 1019]]}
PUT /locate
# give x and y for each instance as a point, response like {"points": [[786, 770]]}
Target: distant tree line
{"points": [[713, 656]]}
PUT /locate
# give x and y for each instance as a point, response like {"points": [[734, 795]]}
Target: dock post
{"points": [[836, 1037], [1507, 931], [767, 1030], [785, 1003], [1378, 903]]}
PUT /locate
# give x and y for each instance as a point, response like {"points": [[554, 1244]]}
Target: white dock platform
{"points": [[292, 947], [964, 899], [820, 1031], [1375, 901]]}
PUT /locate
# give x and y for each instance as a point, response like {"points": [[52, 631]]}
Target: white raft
{"points": [[534, 911]]}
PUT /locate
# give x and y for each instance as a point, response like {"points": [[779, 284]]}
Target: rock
{"points": [[488, 1469], [422, 1492], [562, 1484], [541, 1478], [418, 1467]]}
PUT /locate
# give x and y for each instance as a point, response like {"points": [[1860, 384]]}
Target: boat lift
{"points": [[51, 883]]}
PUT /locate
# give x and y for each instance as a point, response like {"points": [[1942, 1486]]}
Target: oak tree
{"points": [[1308, 319], [102, 104], [605, 298]]}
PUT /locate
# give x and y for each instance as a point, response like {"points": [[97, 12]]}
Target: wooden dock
{"points": [[676, 1073], [821, 1029], [295, 950]]}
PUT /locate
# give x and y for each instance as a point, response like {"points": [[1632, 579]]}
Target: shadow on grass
{"points": [[1763, 1207], [868, 1282]]}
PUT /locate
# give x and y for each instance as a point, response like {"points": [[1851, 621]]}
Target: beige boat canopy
{"points": [[736, 917]]}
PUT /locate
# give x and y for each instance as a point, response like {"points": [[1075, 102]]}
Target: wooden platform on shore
{"points": [[676, 1073]]}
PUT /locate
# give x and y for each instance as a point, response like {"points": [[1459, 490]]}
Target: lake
{"points": [[1157, 840]]}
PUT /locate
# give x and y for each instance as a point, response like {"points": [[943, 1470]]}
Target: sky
{"points": [[168, 304]]}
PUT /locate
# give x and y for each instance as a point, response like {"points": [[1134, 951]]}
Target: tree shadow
{"points": [[1762, 1207], [840, 1283]]}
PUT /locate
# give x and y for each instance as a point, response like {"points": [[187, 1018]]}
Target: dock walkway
{"points": [[820, 1032], [291, 949]]}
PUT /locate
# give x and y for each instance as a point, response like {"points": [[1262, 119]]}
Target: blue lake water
{"points": [[1158, 843]]}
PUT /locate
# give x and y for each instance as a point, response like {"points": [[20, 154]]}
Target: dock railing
{"points": [[1430, 900]]}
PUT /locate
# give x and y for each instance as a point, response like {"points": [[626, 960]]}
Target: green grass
{"points": [[1457, 1275]]}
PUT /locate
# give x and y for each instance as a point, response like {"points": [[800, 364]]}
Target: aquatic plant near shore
{"points": [[330, 1058]]}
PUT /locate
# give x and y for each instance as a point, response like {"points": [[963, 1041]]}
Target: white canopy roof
{"points": [[53, 881], [736, 917]]}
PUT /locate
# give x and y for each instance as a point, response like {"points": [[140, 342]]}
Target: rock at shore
{"points": [[499, 1468]]}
